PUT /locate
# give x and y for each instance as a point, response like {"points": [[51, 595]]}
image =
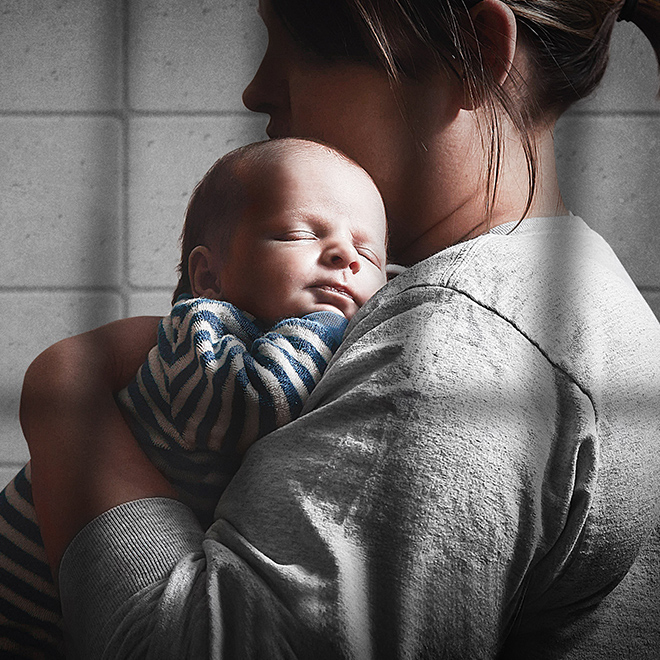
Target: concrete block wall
{"points": [[111, 110], [608, 150]]}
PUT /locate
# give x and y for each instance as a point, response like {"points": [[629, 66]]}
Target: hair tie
{"points": [[627, 12]]}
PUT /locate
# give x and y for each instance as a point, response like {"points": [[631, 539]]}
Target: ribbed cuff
{"points": [[124, 550]]}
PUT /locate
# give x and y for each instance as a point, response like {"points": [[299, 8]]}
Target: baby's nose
{"points": [[345, 256]]}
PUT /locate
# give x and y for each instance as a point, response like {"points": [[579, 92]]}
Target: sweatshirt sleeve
{"points": [[121, 562]]}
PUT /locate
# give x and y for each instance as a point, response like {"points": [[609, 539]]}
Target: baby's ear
{"points": [[202, 270]]}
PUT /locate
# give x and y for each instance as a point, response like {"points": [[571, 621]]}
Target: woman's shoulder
{"points": [[516, 257], [552, 283], [538, 274]]}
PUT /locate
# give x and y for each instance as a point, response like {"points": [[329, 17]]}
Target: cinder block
{"points": [[60, 201], [192, 54], [608, 172], [31, 322], [150, 303], [168, 156], [631, 80], [60, 55]]}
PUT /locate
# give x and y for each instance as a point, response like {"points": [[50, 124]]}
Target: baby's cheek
{"points": [[379, 282]]}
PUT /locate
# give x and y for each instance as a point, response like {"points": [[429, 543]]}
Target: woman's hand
{"points": [[84, 458]]}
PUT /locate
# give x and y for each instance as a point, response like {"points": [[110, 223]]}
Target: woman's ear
{"points": [[495, 29], [203, 273]]}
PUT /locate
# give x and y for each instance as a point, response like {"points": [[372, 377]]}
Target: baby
{"points": [[283, 242], [298, 247]]}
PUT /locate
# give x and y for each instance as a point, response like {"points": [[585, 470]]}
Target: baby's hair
{"points": [[219, 199]]}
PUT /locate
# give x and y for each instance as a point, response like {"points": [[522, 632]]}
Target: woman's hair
{"points": [[568, 42]]}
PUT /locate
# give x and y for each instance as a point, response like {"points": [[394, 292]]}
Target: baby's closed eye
{"points": [[368, 254], [297, 235]]}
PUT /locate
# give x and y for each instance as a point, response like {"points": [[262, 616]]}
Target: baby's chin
{"points": [[299, 312], [347, 311]]}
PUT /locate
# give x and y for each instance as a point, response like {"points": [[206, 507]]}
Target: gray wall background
{"points": [[111, 110]]}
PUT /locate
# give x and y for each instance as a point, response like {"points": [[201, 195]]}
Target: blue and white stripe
{"points": [[215, 382], [30, 615]]}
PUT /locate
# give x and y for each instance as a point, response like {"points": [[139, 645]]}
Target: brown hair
{"points": [[215, 201], [218, 200], [569, 43]]}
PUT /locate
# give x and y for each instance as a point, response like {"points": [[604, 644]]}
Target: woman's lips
{"points": [[273, 131]]}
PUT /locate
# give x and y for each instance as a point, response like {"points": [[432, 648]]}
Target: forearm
{"points": [[84, 457], [133, 549]]}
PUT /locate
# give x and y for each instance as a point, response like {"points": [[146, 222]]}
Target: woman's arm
{"points": [[387, 514], [84, 458]]}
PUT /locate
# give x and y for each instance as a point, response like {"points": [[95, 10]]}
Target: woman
{"points": [[477, 470]]}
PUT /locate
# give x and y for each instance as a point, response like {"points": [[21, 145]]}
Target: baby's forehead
{"points": [[310, 173], [299, 177]]}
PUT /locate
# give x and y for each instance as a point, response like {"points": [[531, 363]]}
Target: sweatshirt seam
{"points": [[519, 330]]}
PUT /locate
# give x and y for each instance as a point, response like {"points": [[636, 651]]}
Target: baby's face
{"points": [[312, 239]]}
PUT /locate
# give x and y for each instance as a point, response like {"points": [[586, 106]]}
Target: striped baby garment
{"points": [[216, 381]]}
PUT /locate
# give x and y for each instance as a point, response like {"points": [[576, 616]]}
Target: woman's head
{"points": [[390, 58], [411, 38]]}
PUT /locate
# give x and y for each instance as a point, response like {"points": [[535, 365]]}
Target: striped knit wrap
{"points": [[217, 381], [30, 614]]}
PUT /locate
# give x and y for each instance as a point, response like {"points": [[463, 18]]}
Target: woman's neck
{"points": [[547, 200], [457, 212]]}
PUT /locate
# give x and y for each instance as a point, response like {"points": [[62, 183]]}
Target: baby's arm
{"points": [[215, 383], [282, 367], [217, 379]]}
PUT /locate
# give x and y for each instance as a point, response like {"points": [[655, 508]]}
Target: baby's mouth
{"points": [[336, 295], [342, 291]]}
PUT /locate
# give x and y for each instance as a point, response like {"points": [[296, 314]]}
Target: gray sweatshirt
{"points": [[475, 474]]}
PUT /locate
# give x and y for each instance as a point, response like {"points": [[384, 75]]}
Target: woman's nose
{"points": [[252, 94], [267, 92]]}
